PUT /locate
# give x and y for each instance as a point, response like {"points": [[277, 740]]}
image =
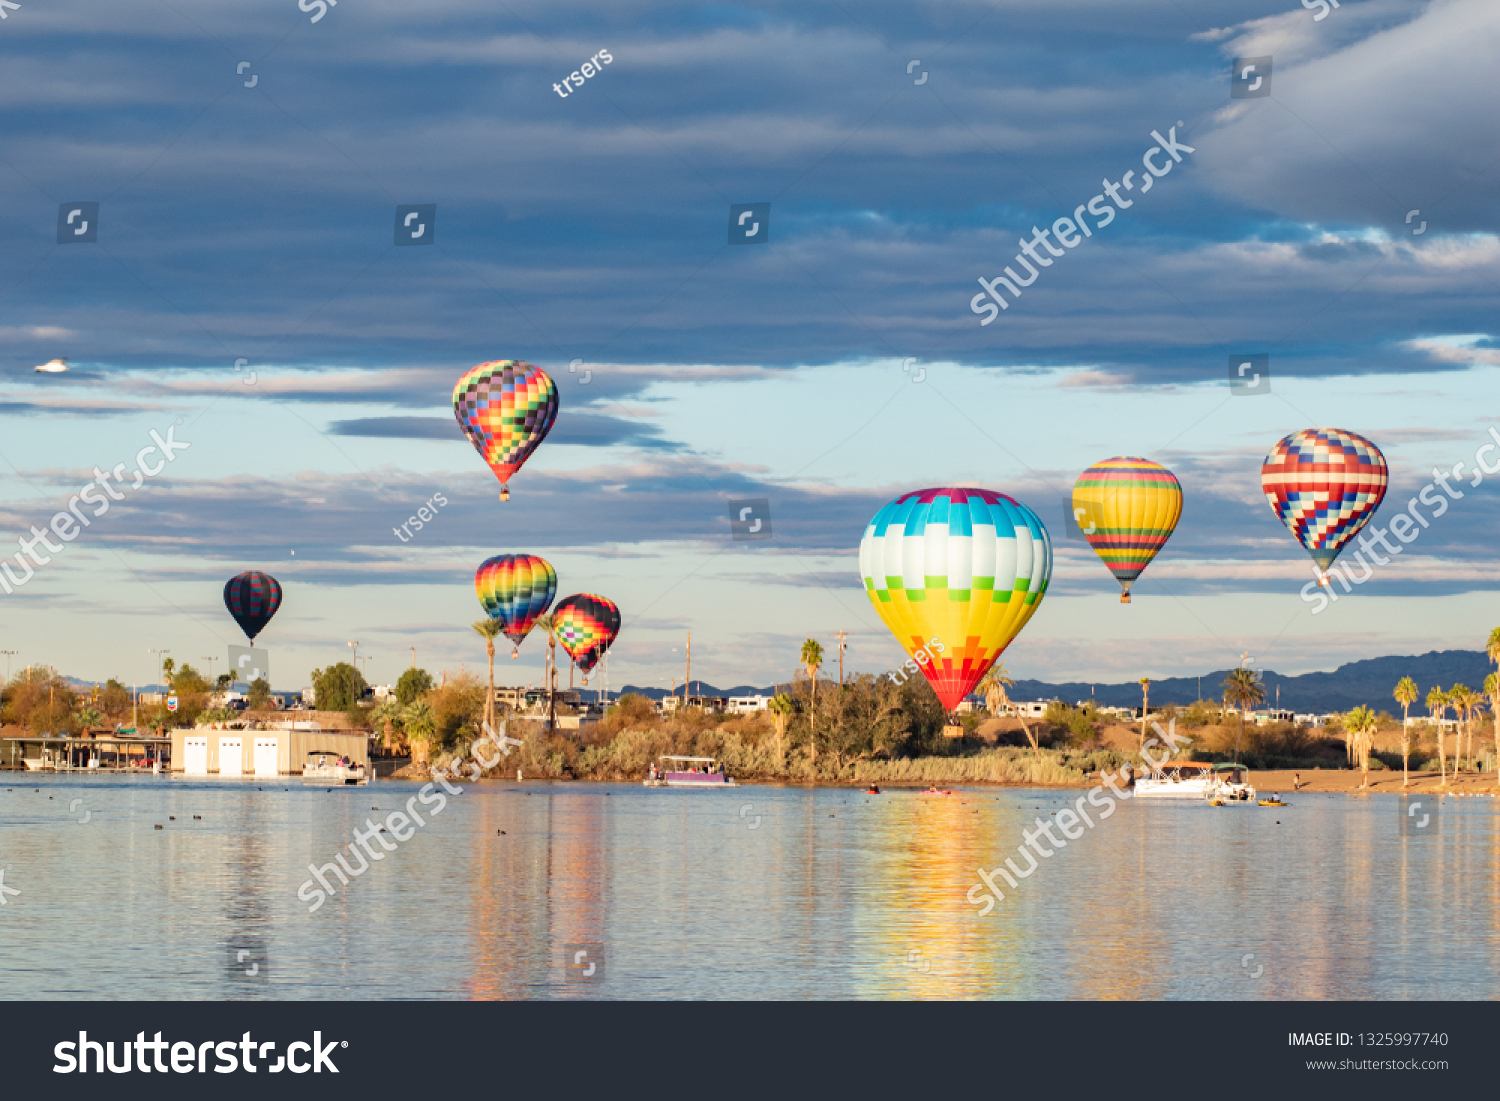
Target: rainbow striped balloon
{"points": [[506, 408], [516, 589], [1127, 509], [955, 574], [1324, 484]]}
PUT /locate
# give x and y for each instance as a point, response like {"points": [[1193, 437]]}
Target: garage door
{"points": [[231, 756], [266, 756], [195, 756]]}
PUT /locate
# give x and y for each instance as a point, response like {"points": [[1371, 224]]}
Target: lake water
{"points": [[754, 892]]}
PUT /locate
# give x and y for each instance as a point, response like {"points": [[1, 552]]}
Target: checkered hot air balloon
{"points": [[506, 408], [252, 598], [585, 626], [1324, 484], [1127, 509], [955, 574], [516, 589]]}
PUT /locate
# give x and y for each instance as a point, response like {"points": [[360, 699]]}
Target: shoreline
{"points": [[1265, 782]]}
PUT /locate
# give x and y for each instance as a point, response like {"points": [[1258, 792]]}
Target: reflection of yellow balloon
{"points": [[1127, 509]]}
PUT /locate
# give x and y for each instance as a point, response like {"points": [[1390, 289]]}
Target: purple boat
{"points": [[688, 772]]}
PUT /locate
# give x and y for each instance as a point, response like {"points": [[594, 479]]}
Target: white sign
{"points": [[247, 664]]}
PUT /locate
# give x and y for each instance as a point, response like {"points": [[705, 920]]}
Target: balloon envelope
{"points": [[955, 574], [1324, 484], [1127, 509], [252, 598], [516, 589], [586, 625], [506, 408]]}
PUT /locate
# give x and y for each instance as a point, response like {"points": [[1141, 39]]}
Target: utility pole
{"points": [[160, 658], [842, 647], [689, 676], [413, 657]]}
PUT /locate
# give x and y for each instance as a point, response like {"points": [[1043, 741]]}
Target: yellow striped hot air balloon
{"points": [[1127, 509]]}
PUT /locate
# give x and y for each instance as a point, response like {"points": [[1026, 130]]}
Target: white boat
{"points": [[1232, 783], [688, 772], [1177, 780], [1197, 780], [330, 768]]}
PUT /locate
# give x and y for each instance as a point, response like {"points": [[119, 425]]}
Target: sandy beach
{"points": [[1347, 781]]}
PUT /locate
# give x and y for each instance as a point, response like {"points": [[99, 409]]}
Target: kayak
{"points": [[934, 791]]}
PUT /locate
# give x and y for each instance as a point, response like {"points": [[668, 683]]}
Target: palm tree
{"points": [[1243, 687], [1492, 690], [1406, 695], [1457, 697], [1437, 706], [388, 715], [1359, 735], [548, 624], [993, 685], [487, 629], [421, 723], [168, 667], [781, 708], [1475, 701], [1145, 705], [812, 659]]}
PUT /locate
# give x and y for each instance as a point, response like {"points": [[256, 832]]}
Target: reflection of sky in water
{"points": [[759, 892]]}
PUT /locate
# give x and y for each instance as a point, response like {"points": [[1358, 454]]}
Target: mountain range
{"points": [[1369, 681]]}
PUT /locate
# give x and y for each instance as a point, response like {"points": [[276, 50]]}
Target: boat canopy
{"points": [[669, 757], [1227, 766], [1184, 764]]}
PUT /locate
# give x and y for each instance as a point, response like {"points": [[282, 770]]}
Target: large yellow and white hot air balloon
{"points": [[955, 574]]}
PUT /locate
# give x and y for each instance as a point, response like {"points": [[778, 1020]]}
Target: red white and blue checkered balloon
{"points": [[1324, 484]]}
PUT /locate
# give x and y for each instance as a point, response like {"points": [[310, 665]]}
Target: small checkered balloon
{"points": [[252, 598], [1324, 484], [506, 408], [586, 625]]}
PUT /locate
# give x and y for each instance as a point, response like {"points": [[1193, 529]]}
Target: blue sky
{"points": [[258, 224]]}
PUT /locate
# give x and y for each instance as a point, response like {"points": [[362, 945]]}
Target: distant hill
{"points": [[1370, 681]]}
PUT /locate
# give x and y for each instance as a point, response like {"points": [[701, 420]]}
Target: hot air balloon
{"points": [[516, 589], [506, 408], [586, 625], [252, 598], [955, 574], [1324, 485], [1127, 509]]}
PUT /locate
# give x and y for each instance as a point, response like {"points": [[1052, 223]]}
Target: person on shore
{"points": [[1296, 781]]}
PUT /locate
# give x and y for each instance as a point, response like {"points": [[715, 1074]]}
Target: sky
{"points": [[242, 287]]}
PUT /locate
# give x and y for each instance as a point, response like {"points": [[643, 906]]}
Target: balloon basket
{"points": [[505, 493], [515, 653], [1125, 598], [953, 732], [1323, 580]]}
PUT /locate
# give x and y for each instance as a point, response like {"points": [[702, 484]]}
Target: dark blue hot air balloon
{"points": [[252, 598]]}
